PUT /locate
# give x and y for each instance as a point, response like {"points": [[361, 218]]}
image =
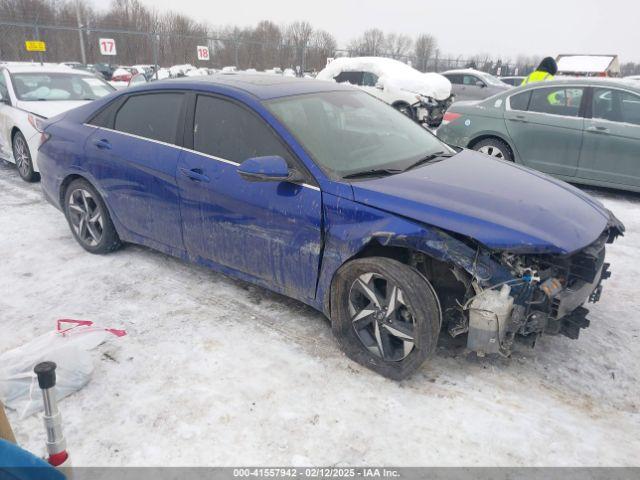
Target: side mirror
{"points": [[379, 86], [480, 84], [267, 169]]}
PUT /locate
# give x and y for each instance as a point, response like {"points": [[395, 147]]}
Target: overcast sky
{"points": [[498, 27]]}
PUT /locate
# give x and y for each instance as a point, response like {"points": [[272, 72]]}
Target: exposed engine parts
{"points": [[545, 296]]}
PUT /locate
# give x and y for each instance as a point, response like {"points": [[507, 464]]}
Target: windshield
{"points": [[491, 80], [350, 131], [41, 86]]}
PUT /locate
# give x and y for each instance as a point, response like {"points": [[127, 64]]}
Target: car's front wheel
{"points": [[22, 157], [89, 218], [385, 315]]}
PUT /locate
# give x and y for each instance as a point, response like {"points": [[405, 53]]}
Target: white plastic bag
{"points": [[67, 347]]}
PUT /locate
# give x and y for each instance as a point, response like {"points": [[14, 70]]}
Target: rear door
{"points": [[547, 134], [134, 156], [270, 231], [611, 148]]}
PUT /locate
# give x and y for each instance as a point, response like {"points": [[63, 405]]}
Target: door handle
{"points": [[598, 129], [519, 118], [195, 174], [103, 144]]}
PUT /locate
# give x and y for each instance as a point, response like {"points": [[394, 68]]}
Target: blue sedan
{"points": [[319, 191]]}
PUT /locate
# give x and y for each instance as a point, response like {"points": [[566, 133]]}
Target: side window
{"points": [[471, 80], [557, 101], [520, 101], [454, 78], [355, 78], [616, 106], [225, 130], [153, 116], [630, 108], [369, 79]]}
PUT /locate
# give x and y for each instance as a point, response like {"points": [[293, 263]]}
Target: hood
{"points": [[430, 84], [50, 109], [501, 205]]}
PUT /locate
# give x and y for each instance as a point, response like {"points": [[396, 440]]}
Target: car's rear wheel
{"points": [[89, 218], [22, 157], [494, 147], [385, 315]]}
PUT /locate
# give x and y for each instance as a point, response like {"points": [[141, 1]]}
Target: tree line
{"points": [[143, 34]]}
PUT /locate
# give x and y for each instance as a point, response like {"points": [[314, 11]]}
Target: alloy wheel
{"points": [[381, 318], [491, 151], [21, 155], [85, 216]]}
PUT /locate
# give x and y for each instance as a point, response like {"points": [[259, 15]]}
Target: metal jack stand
{"points": [[56, 444]]}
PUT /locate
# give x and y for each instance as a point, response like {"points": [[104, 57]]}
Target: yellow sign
{"points": [[35, 46]]}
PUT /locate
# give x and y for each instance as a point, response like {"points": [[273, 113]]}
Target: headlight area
{"points": [[545, 296]]}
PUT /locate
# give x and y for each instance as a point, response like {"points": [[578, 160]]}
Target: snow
{"points": [[214, 371], [391, 74], [584, 63]]}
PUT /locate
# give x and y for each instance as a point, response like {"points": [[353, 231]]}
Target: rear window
{"points": [[153, 116], [38, 86]]}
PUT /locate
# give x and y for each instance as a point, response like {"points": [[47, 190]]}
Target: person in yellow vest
{"points": [[545, 71]]}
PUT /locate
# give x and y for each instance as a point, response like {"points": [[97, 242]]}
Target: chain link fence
{"points": [[71, 43]]}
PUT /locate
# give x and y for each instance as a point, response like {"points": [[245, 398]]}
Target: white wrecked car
{"points": [[423, 96]]}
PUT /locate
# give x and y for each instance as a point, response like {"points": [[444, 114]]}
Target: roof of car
{"points": [[24, 67], [264, 86], [589, 81], [466, 70]]}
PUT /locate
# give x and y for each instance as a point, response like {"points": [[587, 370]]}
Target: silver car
{"points": [[470, 84]]}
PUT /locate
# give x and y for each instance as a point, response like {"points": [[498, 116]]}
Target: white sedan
{"points": [[422, 96], [30, 93]]}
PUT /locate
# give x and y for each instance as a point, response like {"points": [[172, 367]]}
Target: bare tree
{"points": [[425, 49], [398, 46]]}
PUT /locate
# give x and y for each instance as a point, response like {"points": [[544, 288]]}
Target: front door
{"points": [[611, 148], [548, 134], [270, 231], [133, 154]]}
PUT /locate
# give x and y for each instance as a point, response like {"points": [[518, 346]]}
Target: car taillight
{"points": [[450, 117]]}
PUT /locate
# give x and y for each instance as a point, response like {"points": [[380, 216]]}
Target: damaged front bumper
{"points": [[430, 111], [546, 296]]}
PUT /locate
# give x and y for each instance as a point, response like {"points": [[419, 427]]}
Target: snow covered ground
{"points": [[218, 372]]}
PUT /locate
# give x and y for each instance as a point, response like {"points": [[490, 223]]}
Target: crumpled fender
{"points": [[351, 226]]}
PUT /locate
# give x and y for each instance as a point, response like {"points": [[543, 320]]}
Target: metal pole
{"points": [[81, 37], [156, 45], [37, 31]]}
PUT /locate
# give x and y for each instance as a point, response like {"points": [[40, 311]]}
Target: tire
{"points": [[406, 109], [89, 218], [376, 337], [23, 159], [494, 147]]}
